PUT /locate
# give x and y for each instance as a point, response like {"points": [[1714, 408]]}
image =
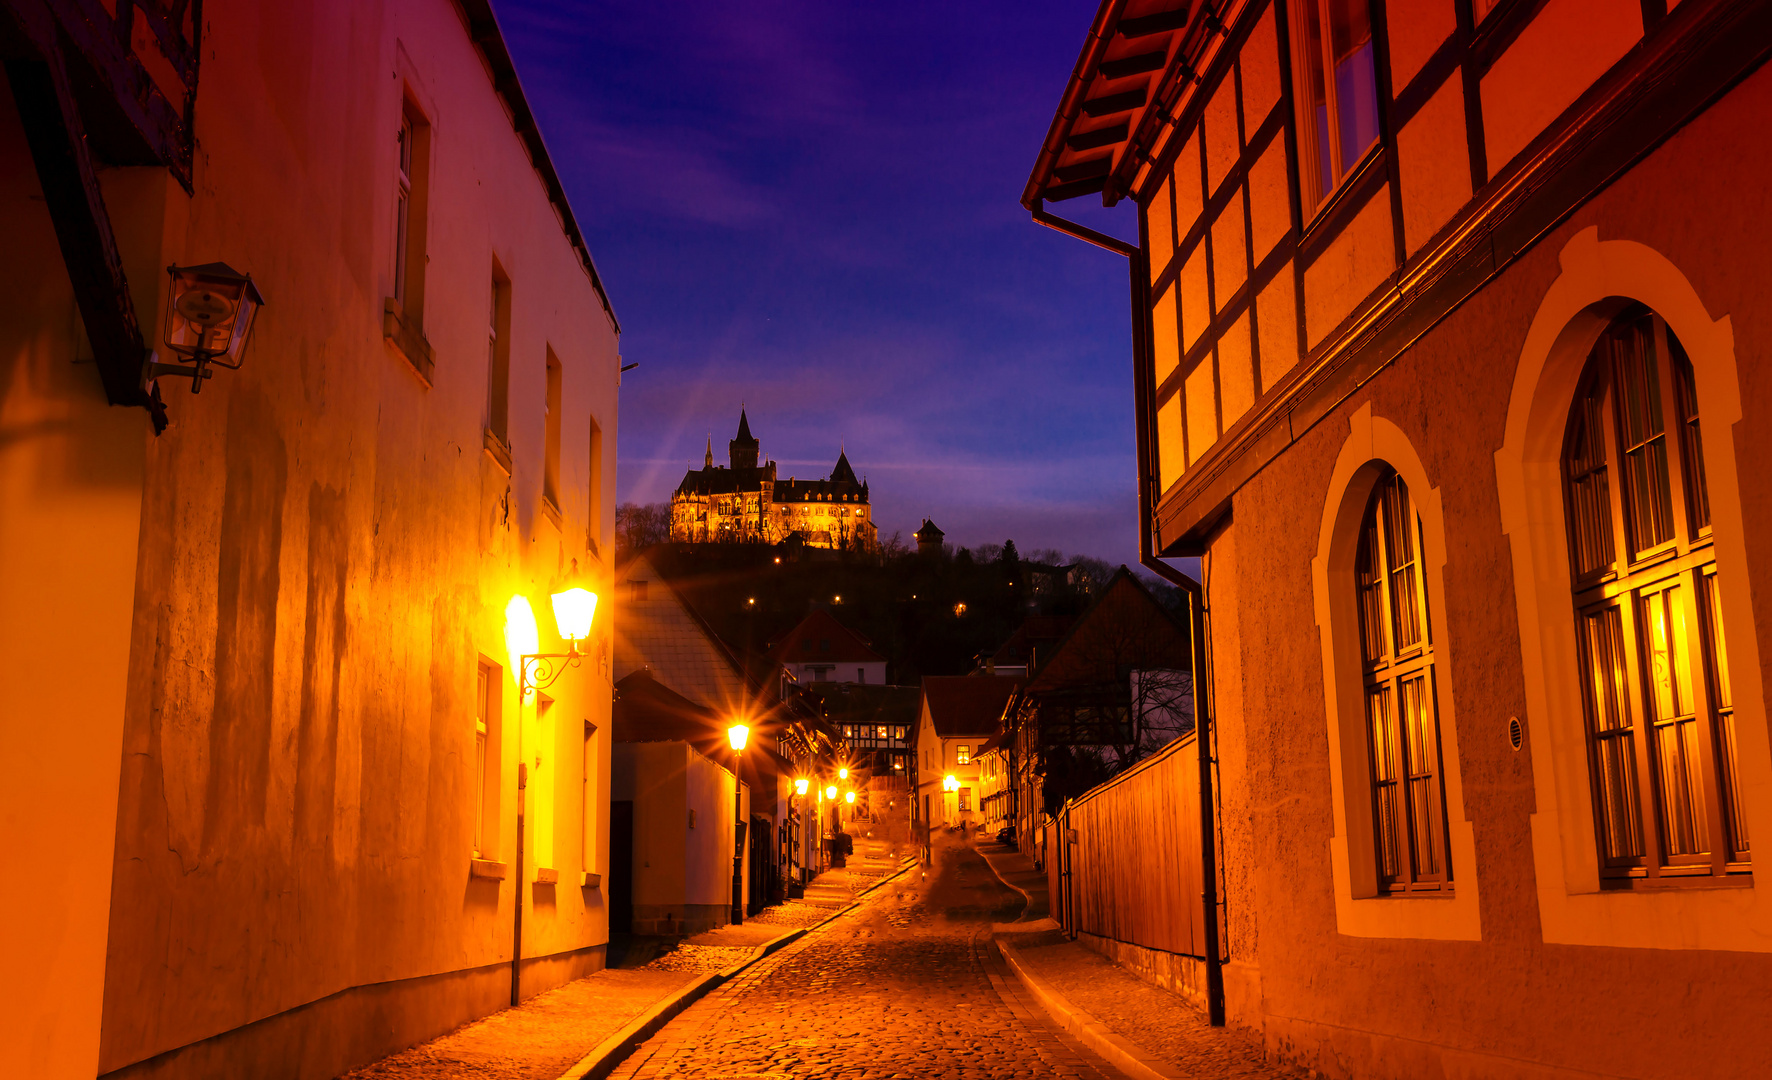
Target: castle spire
{"points": [[708, 461], [744, 426], [743, 449]]}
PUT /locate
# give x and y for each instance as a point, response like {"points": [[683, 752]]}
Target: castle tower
{"points": [[743, 449], [929, 539], [708, 462]]}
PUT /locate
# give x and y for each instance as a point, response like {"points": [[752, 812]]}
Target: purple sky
{"points": [[812, 208]]}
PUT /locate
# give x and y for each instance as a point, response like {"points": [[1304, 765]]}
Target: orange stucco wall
{"points": [[286, 652]]}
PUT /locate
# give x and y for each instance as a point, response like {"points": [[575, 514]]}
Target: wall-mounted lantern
{"points": [[573, 611], [209, 314], [800, 785]]}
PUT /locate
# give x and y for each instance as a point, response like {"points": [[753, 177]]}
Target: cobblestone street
{"points": [[908, 985]]}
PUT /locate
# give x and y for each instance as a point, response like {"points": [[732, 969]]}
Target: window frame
{"points": [[553, 392], [963, 754], [1390, 672], [1313, 156], [487, 731], [412, 152], [1635, 830]]}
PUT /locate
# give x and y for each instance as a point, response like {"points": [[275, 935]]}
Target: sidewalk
{"points": [[1146, 1032], [550, 1033]]}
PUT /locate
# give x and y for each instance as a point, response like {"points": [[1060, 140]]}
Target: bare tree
{"points": [[639, 526]]}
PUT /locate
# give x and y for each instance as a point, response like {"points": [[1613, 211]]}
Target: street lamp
{"points": [[536, 670], [736, 736], [950, 783], [800, 785], [209, 314], [849, 797], [843, 773], [830, 792]]}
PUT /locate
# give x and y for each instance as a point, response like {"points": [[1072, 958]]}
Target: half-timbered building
{"points": [[1448, 330]]}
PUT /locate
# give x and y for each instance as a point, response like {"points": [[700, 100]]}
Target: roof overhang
{"points": [[1140, 59]]}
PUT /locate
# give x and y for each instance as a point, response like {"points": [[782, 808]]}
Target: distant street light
{"points": [[843, 772], [830, 792], [800, 785], [849, 797], [738, 735]]}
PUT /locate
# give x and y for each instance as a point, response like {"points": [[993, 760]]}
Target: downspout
{"points": [[1138, 288], [517, 921]]}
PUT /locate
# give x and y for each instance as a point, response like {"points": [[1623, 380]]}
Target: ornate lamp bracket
{"points": [[541, 670]]}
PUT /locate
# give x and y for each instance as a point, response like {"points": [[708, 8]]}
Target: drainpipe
{"points": [[1197, 614], [517, 922]]}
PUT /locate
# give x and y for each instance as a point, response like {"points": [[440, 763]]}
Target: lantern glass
{"points": [[830, 792], [209, 312], [849, 796], [738, 735], [800, 785], [573, 611]]}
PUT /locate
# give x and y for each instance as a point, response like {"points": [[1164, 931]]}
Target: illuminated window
{"points": [[1402, 714], [1655, 665], [962, 755], [1338, 105]]}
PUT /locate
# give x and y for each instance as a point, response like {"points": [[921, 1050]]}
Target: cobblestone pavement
{"points": [[908, 985]]}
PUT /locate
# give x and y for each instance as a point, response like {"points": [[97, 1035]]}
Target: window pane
{"points": [[1677, 758], [1399, 546], [1609, 719], [1422, 741], [1371, 585], [1691, 441], [1723, 700], [1648, 501], [1386, 812], [1356, 90], [1590, 499], [1318, 101]]}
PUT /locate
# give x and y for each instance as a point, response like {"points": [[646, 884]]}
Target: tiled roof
{"points": [[661, 633], [1035, 632], [819, 639], [967, 704]]}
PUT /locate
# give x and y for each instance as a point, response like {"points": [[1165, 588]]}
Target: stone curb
{"points": [[1119, 1052], [1026, 896], [614, 1050]]}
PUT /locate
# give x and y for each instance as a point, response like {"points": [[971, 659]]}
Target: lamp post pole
{"points": [[736, 736]]}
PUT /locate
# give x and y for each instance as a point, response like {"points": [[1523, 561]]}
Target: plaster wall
{"points": [[683, 836], [325, 553], [1517, 990], [70, 485]]}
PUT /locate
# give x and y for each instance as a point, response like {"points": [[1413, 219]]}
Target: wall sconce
{"points": [[800, 785], [573, 611], [209, 314], [950, 783]]}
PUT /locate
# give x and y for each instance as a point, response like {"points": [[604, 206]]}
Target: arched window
{"points": [[1402, 718], [1655, 667]]}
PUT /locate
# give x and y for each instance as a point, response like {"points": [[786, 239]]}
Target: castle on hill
{"points": [[744, 502]]}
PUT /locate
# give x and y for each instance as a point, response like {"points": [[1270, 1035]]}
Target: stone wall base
{"points": [[349, 1029], [679, 920], [1184, 975]]}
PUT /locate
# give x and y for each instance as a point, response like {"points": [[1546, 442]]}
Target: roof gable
{"points": [[1125, 629], [966, 704], [655, 629], [820, 638]]}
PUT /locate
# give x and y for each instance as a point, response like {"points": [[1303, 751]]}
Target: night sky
{"points": [[812, 208]]}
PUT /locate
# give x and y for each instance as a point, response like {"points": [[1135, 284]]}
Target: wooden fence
{"points": [[1125, 861]]}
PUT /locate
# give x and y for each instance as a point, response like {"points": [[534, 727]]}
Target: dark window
{"points": [[1655, 664], [1402, 714], [637, 590]]}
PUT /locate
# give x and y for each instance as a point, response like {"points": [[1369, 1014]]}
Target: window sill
{"points": [[408, 340], [545, 876], [590, 880], [551, 511], [497, 449], [487, 868]]}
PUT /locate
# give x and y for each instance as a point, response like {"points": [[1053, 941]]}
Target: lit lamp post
{"points": [[737, 735], [536, 670], [209, 314]]}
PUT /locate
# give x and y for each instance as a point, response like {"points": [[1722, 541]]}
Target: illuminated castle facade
{"points": [[744, 502]]}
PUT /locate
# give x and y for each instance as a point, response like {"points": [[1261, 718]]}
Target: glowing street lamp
{"points": [[738, 735], [950, 783], [800, 785], [849, 797], [830, 792], [843, 773], [574, 610]]}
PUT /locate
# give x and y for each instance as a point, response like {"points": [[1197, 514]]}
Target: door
{"points": [[621, 867]]}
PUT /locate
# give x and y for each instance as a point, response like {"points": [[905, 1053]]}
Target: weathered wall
{"points": [[325, 553], [1505, 1002]]}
